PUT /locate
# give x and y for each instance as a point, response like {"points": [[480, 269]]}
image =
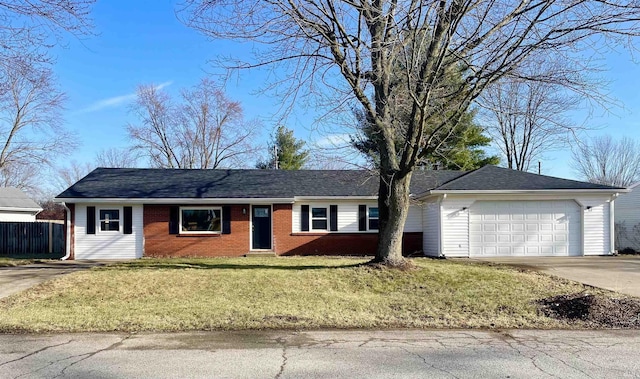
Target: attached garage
{"points": [[493, 212], [524, 228]]}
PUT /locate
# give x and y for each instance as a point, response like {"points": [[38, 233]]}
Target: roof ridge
{"points": [[464, 175], [558, 178]]}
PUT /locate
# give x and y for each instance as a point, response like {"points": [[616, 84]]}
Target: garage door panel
{"points": [[546, 227], [536, 228], [504, 227], [532, 227]]}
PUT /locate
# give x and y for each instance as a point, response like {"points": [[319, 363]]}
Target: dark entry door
{"points": [[261, 226]]}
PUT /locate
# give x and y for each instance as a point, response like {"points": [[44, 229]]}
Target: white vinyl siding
{"points": [[431, 237], [590, 233], [348, 215], [524, 228], [455, 226], [597, 239], [627, 217], [17, 216], [108, 245], [413, 224]]}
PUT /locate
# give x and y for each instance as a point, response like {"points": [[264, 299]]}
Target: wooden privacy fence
{"points": [[44, 240]]}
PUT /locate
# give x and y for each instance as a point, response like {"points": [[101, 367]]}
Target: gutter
{"points": [[67, 245], [185, 201], [521, 192]]}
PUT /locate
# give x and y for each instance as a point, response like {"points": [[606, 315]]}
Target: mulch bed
{"points": [[595, 311]]}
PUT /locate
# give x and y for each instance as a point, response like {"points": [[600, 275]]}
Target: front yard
{"points": [[12, 262], [261, 293]]}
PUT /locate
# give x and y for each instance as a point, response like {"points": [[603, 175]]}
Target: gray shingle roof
{"points": [[186, 184], [175, 183], [490, 178], [11, 197]]}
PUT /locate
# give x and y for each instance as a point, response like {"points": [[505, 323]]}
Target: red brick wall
{"points": [[159, 243], [306, 243]]}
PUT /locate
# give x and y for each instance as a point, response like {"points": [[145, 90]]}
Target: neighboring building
{"points": [[15, 206], [130, 213], [627, 219]]}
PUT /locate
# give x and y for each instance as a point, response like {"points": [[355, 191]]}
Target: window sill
{"points": [[199, 235]]}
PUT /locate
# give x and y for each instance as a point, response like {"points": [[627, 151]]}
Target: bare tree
{"points": [[73, 171], [31, 27], [527, 118], [116, 158], [605, 161], [70, 174], [206, 130], [31, 131], [23, 175], [350, 49]]}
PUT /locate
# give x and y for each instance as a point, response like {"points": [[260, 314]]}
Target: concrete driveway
{"points": [[19, 278], [620, 273]]}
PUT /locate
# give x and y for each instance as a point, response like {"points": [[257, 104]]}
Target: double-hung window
{"points": [[319, 218], [200, 220], [109, 220], [373, 218]]}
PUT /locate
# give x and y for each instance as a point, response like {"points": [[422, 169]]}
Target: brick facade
{"points": [[159, 243], [287, 243]]}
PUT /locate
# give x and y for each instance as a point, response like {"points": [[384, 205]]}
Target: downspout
{"points": [[68, 234], [612, 226], [440, 226]]}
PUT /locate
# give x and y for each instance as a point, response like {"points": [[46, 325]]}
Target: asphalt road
{"points": [[325, 354]]}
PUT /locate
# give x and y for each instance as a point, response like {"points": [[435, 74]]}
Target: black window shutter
{"points": [[304, 218], [174, 220], [91, 220], [362, 218], [226, 219], [333, 218], [128, 220]]}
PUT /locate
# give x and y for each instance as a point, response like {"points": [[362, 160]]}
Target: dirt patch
{"points": [[595, 310]]}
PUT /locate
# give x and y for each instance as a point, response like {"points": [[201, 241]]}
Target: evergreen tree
{"points": [[289, 149], [457, 147]]}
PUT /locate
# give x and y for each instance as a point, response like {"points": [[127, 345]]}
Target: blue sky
{"points": [[142, 42]]}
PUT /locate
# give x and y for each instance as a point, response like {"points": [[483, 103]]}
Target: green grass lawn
{"points": [[297, 292]]}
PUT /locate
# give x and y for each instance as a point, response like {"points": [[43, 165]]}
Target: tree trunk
{"points": [[393, 207]]}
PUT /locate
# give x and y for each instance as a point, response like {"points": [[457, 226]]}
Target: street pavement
{"points": [[325, 354]]}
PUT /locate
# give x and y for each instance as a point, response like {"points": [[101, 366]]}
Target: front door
{"points": [[261, 227]]}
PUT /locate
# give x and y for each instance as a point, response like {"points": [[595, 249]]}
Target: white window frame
{"points": [[372, 218], [311, 218], [99, 220], [180, 231]]}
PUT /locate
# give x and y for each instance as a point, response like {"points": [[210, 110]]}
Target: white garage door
{"points": [[524, 228]]}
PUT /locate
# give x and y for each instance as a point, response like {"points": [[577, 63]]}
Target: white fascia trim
{"points": [[244, 200], [306, 198], [522, 192], [24, 210]]}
